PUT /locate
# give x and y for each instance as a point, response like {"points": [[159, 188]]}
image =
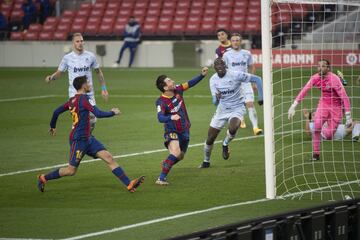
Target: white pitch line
{"points": [[181, 215], [126, 227], [120, 156], [27, 98]]}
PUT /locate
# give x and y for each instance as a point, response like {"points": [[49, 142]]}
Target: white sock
{"points": [[253, 117], [207, 152], [356, 130], [228, 138]]}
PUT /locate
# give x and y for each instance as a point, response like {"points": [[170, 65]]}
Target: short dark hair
{"points": [[76, 35], [160, 82], [79, 82], [325, 60], [217, 60], [222, 30]]}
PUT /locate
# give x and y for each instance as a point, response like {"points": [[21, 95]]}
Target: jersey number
{"points": [[173, 136], [75, 117]]}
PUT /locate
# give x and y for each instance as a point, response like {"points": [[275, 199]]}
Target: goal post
{"points": [[296, 34]]}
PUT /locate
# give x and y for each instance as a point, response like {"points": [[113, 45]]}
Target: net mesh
{"points": [[302, 34]]}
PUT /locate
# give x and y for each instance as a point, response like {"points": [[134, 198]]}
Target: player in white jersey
{"points": [[78, 63], [341, 132], [238, 59], [227, 96]]}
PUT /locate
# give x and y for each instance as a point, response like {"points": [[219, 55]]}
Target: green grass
{"points": [[94, 200]]}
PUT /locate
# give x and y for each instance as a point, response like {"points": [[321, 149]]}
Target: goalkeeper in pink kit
{"points": [[330, 108]]}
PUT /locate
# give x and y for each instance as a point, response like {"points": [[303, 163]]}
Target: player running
{"points": [[330, 107], [171, 111], [80, 62], [225, 44], [341, 132], [227, 96], [81, 141], [238, 59]]}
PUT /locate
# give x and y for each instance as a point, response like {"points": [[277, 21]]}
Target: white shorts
{"points": [[223, 116], [247, 91]]}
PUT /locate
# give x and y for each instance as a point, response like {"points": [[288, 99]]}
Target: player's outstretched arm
{"points": [[53, 76], [55, 116], [102, 114], [257, 80], [191, 83], [299, 98], [101, 79]]}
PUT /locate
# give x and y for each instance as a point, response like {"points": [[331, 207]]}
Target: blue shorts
{"points": [[183, 139], [78, 149]]}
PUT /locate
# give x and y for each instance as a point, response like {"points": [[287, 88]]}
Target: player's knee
{"points": [[177, 153], [249, 104], [210, 140], [71, 171], [181, 156], [233, 130]]}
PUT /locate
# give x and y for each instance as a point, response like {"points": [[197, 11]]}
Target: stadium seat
{"points": [[68, 14], [254, 11], [196, 11], [149, 28], [155, 4], [178, 19], [17, 6], [141, 5], [224, 18], [95, 13], [170, 4], [198, 4], [83, 13], [207, 28], [192, 28], [252, 27], [110, 13], [153, 12], [16, 16], [85, 6], [31, 36], [211, 12], [63, 27], [91, 28], [239, 12], [253, 18], [46, 36], [238, 18], [163, 28], [99, 5], [222, 24], [212, 4], [35, 27], [178, 28], [16, 36], [226, 4], [209, 19], [194, 19], [60, 36], [106, 28], [113, 5], [224, 11], [183, 4], [167, 12], [78, 25], [127, 5], [182, 12], [237, 26], [254, 4], [119, 27], [151, 20], [124, 13], [240, 4], [6, 7]]}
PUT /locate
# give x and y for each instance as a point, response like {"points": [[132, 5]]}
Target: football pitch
{"points": [[94, 204]]}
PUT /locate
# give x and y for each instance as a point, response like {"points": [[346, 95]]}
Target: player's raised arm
{"points": [[300, 97], [191, 83], [55, 116]]}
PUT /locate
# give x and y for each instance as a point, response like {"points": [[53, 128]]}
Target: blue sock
{"points": [[119, 173], [167, 165], [53, 175]]}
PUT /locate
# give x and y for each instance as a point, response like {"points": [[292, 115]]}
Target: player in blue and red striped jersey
{"points": [[171, 111], [225, 44], [81, 140]]}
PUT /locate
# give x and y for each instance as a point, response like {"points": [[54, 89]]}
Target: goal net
{"points": [[302, 33]]}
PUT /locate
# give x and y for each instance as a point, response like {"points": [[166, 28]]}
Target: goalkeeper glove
{"points": [[341, 76], [291, 111], [348, 119]]}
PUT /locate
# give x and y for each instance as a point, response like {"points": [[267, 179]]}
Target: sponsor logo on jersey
{"points": [[234, 64], [81, 69], [227, 92], [177, 108]]}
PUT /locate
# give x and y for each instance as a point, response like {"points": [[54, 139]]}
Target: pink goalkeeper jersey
{"points": [[333, 93]]}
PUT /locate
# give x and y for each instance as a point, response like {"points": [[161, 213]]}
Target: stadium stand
{"points": [[106, 19]]}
